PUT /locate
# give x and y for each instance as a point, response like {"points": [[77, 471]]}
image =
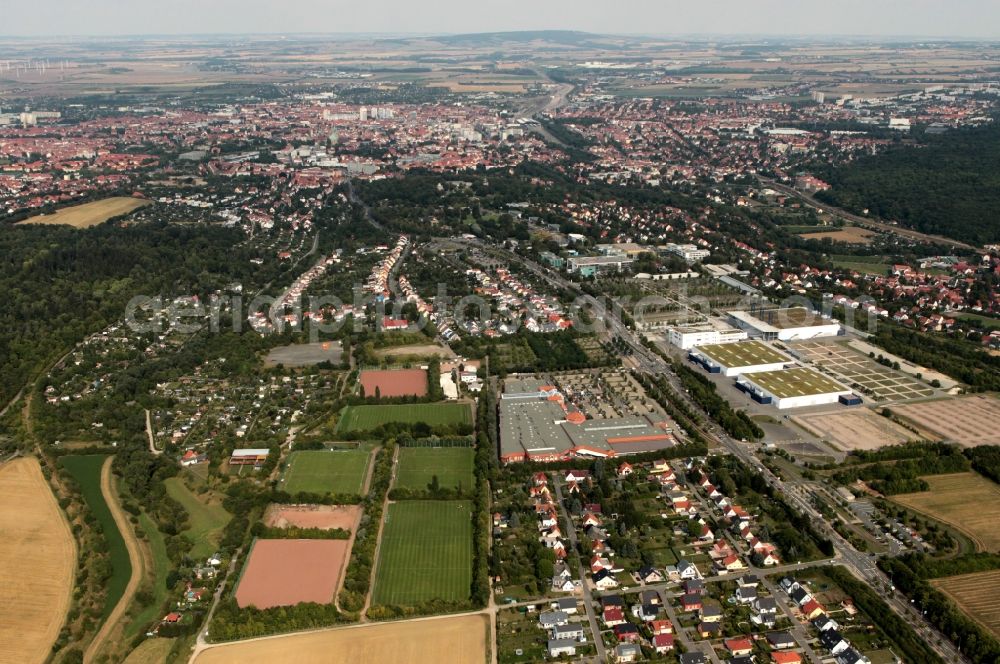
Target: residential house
{"points": [[691, 658], [691, 602], [709, 630], [627, 632], [645, 612], [570, 631], [765, 611], [746, 594], [661, 627], [780, 640], [739, 646], [687, 570], [710, 614], [613, 616], [567, 605], [560, 647], [780, 657], [605, 580], [852, 656], [832, 640], [627, 652], [650, 597], [824, 623], [663, 643], [649, 574], [812, 609], [550, 619]]}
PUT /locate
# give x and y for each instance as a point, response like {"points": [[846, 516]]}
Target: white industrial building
{"points": [[686, 338], [798, 387], [742, 357], [794, 324]]}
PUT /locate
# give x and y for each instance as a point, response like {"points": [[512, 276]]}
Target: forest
{"points": [[964, 166], [61, 283]]}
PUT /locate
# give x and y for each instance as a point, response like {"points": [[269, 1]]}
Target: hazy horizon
{"points": [[961, 19]]}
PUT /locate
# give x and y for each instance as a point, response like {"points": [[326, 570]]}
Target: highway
{"points": [[859, 564]]}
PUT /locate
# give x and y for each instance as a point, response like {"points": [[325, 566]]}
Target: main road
{"points": [[859, 564]]}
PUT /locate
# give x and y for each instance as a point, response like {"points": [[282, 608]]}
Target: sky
{"points": [[978, 19]]}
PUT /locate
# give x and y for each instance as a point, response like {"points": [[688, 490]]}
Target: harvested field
{"points": [[305, 355], [419, 465], [849, 234], [395, 382], [460, 640], [89, 214], [858, 429], [967, 501], [975, 594], [367, 418], [969, 421], [36, 537], [417, 350], [287, 572], [425, 553], [325, 517]]}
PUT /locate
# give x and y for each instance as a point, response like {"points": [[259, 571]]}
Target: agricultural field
{"points": [[862, 264], [286, 572], [858, 429], [86, 470], [326, 471], [89, 214], [425, 553], [419, 465], [35, 537], [967, 501], [395, 383], [848, 234], [207, 517], [459, 640], [367, 418], [975, 594], [968, 421]]}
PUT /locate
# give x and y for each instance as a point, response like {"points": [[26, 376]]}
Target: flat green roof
{"points": [[795, 382], [742, 354]]}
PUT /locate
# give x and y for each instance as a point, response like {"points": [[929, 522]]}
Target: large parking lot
{"points": [[861, 372]]}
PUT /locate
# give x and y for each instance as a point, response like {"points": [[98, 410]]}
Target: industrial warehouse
{"points": [[733, 359], [797, 387], [536, 424], [793, 324]]}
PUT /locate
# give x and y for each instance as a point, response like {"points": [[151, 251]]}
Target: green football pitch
{"points": [[366, 418], [326, 471], [419, 465], [426, 553]]}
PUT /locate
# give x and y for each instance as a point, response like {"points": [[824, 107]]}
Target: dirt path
{"points": [[135, 558], [149, 434], [378, 541]]}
